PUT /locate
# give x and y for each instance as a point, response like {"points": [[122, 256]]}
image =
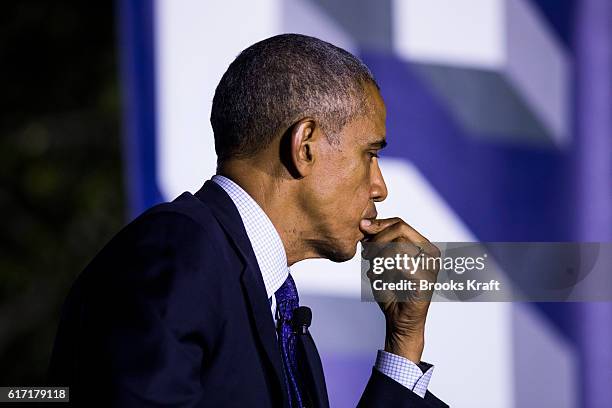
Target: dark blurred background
{"points": [[61, 193]]}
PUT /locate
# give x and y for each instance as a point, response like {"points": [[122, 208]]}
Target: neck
{"points": [[270, 187]]}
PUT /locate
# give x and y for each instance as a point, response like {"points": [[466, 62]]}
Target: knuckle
{"points": [[404, 228]]}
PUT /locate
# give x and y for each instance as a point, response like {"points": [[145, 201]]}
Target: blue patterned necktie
{"points": [[286, 301]]}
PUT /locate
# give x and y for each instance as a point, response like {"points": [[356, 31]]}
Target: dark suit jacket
{"points": [[174, 312]]}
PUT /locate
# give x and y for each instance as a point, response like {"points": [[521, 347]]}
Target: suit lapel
{"points": [[226, 213], [312, 371]]}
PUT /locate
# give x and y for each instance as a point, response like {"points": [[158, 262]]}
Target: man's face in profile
{"points": [[348, 181]]}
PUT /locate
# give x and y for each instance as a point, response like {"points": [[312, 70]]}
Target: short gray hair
{"points": [[278, 81]]}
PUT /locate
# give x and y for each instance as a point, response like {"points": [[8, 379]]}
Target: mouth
{"points": [[370, 215]]}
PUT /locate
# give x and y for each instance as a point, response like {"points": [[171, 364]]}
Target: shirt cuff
{"points": [[410, 375]]}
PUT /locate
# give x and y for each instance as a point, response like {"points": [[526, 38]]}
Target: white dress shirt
{"points": [[272, 260]]}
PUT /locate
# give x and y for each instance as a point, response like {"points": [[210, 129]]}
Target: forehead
{"points": [[369, 126], [378, 114]]}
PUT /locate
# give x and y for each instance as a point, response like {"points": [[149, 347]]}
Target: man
{"points": [[192, 303]]}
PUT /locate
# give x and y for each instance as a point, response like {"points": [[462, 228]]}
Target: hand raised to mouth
{"points": [[405, 319]]}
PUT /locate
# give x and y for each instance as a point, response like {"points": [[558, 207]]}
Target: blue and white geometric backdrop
{"points": [[499, 129]]}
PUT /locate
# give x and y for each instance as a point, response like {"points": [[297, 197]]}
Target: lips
{"points": [[371, 214]]}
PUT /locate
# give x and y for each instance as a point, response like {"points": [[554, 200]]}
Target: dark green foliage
{"points": [[61, 195]]}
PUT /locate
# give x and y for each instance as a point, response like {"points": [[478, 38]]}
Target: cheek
{"points": [[358, 182], [343, 189], [352, 194], [348, 187]]}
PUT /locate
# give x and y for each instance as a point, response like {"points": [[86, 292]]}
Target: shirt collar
{"points": [[267, 244]]}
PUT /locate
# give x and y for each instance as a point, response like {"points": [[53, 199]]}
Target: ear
{"points": [[302, 146]]}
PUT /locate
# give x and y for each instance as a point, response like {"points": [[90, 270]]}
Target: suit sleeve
{"points": [[382, 391], [136, 339]]}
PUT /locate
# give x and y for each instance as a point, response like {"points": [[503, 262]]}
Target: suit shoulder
{"points": [[184, 229], [185, 219], [185, 206], [180, 241]]}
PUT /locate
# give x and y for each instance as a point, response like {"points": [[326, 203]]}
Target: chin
{"points": [[335, 249], [343, 254]]}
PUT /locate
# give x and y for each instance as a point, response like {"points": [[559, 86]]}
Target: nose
{"points": [[378, 188]]}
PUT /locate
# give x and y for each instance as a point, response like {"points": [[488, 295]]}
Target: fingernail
{"points": [[366, 223]]}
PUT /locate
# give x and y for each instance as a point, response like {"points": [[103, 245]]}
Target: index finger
{"points": [[373, 227]]}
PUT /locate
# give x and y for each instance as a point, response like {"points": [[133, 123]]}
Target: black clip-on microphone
{"points": [[302, 317]]}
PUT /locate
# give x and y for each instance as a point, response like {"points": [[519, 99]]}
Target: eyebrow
{"points": [[380, 144]]}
